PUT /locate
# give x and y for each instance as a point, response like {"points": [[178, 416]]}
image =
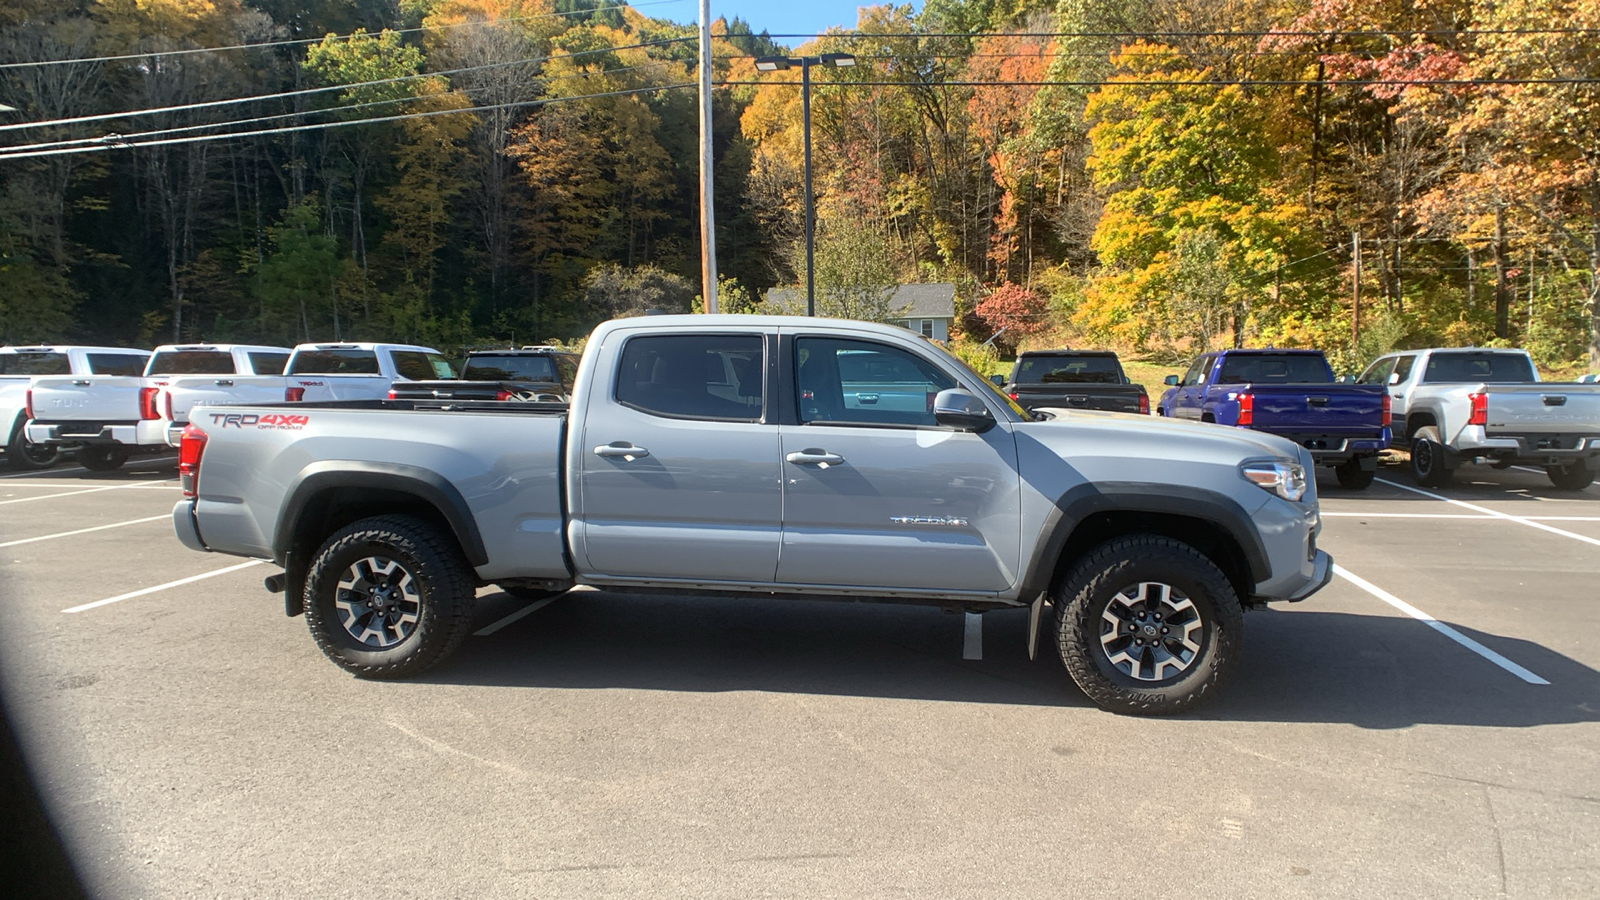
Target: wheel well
{"points": [[332, 509], [1208, 417], [1418, 420], [1210, 539]]}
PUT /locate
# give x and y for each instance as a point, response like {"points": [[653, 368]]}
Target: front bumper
{"points": [[1321, 574]]}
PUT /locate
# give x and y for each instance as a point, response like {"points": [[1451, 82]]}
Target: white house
{"points": [[927, 308]]}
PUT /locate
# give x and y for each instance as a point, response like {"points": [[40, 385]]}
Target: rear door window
{"points": [[567, 367], [334, 362], [694, 376], [116, 364], [34, 363], [192, 362], [417, 365], [1402, 368], [1378, 372], [263, 363], [1197, 371]]}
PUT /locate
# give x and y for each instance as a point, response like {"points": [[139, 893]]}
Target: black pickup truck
{"points": [[533, 373], [1074, 379]]}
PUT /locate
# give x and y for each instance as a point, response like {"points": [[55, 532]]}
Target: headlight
{"points": [[1286, 479]]}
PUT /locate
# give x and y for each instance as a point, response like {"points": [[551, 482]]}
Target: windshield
{"points": [[511, 368], [1500, 368], [1067, 370], [26, 363]]}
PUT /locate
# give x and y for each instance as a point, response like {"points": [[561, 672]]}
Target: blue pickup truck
{"points": [[1292, 394]]}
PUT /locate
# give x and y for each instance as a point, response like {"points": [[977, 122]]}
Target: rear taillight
{"points": [[1247, 410], [1480, 409], [1012, 395], [27, 405], [1144, 405], [294, 395], [502, 395], [1388, 410], [147, 403], [190, 448], [391, 394]]}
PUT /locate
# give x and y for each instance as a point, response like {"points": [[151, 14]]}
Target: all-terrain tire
{"points": [[1575, 477], [1352, 477], [27, 457], [1099, 584], [103, 457], [1428, 458], [401, 564]]}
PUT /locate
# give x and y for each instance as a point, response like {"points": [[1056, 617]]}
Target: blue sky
{"points": [[782, 17]]}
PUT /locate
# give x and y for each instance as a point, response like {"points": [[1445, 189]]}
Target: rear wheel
{"points": [[1574, 477], [389, 597], [1428, 458], [1353, 477], [25, 456], [102, 457], [1147, 626]]}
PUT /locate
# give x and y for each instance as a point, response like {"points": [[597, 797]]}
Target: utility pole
{"points": [[1355, 319], [708, 223], [811, 216]]}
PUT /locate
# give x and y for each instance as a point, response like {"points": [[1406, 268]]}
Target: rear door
{"points": [[677, 460], [877, 496], [1191, 394]]}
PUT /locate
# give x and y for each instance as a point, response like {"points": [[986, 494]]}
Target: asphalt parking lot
{"points": [[1426, 726]]}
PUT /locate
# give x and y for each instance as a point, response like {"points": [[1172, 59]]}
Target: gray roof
{"points": [[921, 301]]}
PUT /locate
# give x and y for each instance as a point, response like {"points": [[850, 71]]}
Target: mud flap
{"points": [[1034, 613]]}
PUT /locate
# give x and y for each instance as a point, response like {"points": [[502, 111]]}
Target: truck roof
{"points": [[1065, 351], [217, 348], [362, 345], [726, 321], [65, 348], [1272, 351]]}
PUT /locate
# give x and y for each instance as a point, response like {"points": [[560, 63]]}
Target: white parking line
{"points": [[1437, 625], [161, 587], [131, 464], [972, 644], [1497, 514], [114, 487], [1481, 518], [514, 617], [49, 537]]}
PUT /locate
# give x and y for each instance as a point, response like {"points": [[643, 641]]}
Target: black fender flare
{"points": [[1085, 500], [428, 486]]}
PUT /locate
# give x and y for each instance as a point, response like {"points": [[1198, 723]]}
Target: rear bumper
{"points": [[185, 527], [1536, 449], [151, 433]]}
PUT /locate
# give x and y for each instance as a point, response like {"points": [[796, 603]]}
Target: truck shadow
{"points": [[1375, 672]]}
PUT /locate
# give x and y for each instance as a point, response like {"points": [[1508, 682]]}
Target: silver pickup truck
{"points": [[721, 454], [1453, 406]]}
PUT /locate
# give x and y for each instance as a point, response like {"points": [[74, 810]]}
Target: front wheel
{"points": [[102, 457], [1147, 626], [1352, 477], [1428, 463], [25, 456], [1574, 477], [388, 597]]}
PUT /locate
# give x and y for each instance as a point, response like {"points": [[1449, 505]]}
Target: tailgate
{"points": [[1543, 409], [87, 399], [1110, 397], [1348, 410], [184, 394]]}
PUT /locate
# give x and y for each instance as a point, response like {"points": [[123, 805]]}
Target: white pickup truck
{"points": [[1453, 406], [20, 367], [108, 414], [309, 373]]}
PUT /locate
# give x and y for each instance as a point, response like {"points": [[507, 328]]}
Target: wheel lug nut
{"points": [[1164, 629]]}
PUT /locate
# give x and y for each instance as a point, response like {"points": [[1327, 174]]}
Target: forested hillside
{"points": [[1154, 175]]}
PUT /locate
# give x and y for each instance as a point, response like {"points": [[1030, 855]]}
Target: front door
{"points": [[876, 494], [679, 466]]}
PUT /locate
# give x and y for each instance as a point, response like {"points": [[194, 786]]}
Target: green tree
{"points": [[295, 283]]}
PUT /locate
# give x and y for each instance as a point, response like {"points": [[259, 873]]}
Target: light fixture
{"points": [[772, 63], [838, 60]]}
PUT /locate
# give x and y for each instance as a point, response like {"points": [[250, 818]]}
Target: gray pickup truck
{"points": [[724, 454]]}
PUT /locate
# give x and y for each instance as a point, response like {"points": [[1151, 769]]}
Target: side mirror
{"points": [[1170, 381], [999, 380], [955, 408], [1394, 377]]}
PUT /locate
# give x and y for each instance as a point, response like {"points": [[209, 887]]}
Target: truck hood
{"points": [[1074, 432]]}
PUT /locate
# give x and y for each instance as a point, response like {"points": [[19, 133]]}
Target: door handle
{"points": [[813, 456], [867, 398], [82, 383], [225, 382], [620, 450], [1317, 401]]}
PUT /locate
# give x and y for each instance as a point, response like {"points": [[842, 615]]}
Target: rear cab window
{"points": [[340, 361], [1283, 368], [26, 362], [192, 362], [116, 364], [510, 367], [1486, 366], [418, 365], [265, 363], [1068, 370], [694, 376]]}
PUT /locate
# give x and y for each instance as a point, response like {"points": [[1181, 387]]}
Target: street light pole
{"points": [[779, 64], [811, 216]]}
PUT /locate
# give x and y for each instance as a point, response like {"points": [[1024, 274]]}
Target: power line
{"points": [[304, 41], [119, 139], [128, 145], [209, 104], [1219, 82], [1159, 35]]}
